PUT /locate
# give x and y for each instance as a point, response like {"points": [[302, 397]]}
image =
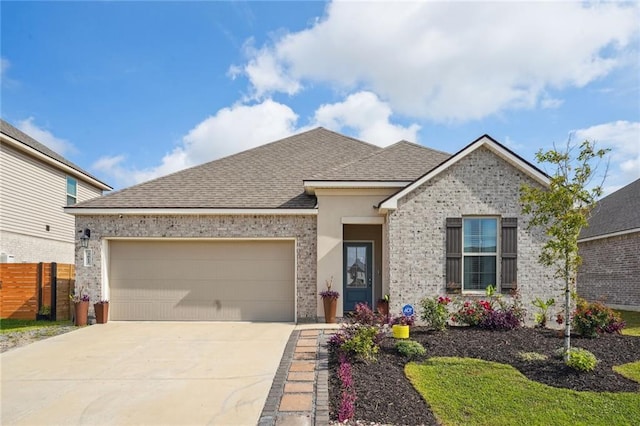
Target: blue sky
{"points": [[134, 90]]}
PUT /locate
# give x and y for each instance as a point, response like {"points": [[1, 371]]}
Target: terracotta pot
{"points": [[382, 307], [102, 312], [330, 306], [400, 331], [82, 312]]}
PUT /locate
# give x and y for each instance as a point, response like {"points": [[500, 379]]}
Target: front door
{"points": [[357, 276]]}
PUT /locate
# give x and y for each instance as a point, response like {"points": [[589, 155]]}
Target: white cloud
{"points": [[368, 116], [230, 130], [243, 127], [623, 137], [45, 137], [450, 61]]}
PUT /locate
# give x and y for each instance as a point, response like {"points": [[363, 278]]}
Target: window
{"points": [[72, 191], [473, 255], [480, 252]]}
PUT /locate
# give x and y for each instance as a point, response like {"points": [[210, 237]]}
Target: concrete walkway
{"points": [[125, 373], [299, 395]]}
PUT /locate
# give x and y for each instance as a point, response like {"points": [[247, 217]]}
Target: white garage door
{"points": [[201, 280]]}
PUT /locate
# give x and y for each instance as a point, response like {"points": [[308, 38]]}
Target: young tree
{"points": [[562, 210]]}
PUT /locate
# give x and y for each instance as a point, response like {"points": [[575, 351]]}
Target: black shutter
{"points": [[454, 255], [509, 245]]}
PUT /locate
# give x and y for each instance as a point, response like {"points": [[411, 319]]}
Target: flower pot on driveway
{"points": [[400, 331], [102, 312], [330, 306], [82, 312]]}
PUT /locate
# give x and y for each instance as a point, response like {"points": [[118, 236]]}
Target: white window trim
{"points": [[74, 196], [496, 254]]}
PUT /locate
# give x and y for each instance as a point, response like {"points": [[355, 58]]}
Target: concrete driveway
{"points": [[144, 373]]}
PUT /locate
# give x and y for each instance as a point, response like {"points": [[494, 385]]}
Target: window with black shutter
{"points": [[454, 254], [509, 249], [472, 253]]}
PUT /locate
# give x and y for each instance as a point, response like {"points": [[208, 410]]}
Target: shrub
{"points": [[357, 341], [435, 312], [496, 313], [363, 314], [410, 348], [543, 314], [532, 356], [500, 320], [472, 312], [348, 395], [581, 359], [589, 319], [403, 320]]}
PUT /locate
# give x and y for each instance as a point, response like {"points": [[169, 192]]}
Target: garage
{"points": [[202, 280]]}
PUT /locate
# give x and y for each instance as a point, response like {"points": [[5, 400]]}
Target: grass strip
{"points": [[13, 325], [631, 371], [632, 328], [464, 391]]}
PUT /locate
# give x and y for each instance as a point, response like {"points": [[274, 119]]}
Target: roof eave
{"points": [[487, 141], [102, 211], [310, 186], [53, 162]]}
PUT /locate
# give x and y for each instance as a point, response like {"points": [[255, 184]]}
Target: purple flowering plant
{"points": [[328, 293]]}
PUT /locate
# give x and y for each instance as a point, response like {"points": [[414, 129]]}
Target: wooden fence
{"points": [[26, 287]]}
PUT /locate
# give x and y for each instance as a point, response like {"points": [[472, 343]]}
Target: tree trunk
{"points": [[567, 316]]}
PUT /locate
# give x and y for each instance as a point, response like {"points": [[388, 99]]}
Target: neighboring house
{"points": [[35, 185], [610, 251], [257, 235]]}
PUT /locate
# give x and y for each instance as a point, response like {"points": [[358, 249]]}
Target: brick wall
{"points": [[303, 228], [610, 270], [30, 249], [479, 184]]}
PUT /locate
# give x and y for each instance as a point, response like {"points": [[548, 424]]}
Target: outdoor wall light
{"points": [[84, 239]]}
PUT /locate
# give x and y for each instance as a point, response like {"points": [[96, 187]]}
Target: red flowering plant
{"points": [[435, 312], [472, 312], [591, 319], [494, 313]]}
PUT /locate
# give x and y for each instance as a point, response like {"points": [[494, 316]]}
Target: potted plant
{"points": [[400, 326], [383, 306], [101, 308], [81, 303], [330, 302], [44, 314]]}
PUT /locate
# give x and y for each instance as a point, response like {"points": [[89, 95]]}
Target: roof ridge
{"points": [[380, 151]]}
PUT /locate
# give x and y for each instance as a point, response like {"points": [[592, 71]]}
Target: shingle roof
{"points": [[619, 211], [269, 176], [403, 161], [20, 136]]}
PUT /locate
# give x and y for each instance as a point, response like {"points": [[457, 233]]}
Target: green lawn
{"points": [[630, 371], [633, 322], [476, 392], [13, 325]]}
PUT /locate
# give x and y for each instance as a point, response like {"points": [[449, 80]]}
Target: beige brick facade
{"points": [[479, 184], [302, 228]]}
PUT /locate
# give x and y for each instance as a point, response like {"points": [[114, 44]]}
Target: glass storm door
{"points": [[358, 279]]}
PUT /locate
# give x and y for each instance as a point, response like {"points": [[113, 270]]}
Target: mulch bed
{"points": [[385, 396]]}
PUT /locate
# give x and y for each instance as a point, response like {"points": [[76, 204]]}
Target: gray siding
{"points": [[32, 196], [479, 184]]}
